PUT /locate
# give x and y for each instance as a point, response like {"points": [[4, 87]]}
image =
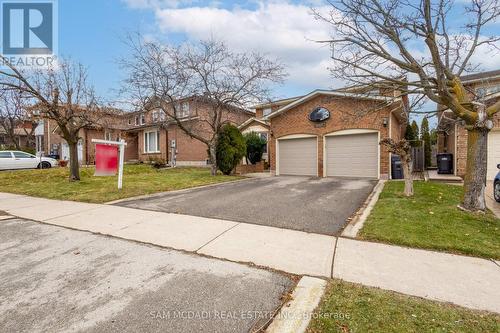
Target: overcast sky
{"points": [[91, 31]]}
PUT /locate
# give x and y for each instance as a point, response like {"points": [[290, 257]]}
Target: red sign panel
{"points": [[106, 160]]}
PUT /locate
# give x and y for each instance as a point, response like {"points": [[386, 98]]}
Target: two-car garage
{"points": [[350, 153]]}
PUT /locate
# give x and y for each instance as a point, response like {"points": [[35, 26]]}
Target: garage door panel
{"points": [[298, 157], [493, 153], [352, 155]]}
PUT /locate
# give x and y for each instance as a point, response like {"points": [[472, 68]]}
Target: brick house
{"points": [[157, 135], [111, 127], [452, 135], [150, 135], [343, 142]]}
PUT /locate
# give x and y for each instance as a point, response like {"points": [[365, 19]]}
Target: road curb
{"points": [[296, 314], [352, 229]]}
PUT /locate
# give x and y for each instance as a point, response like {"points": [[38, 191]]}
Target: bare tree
{"points": [[418, 47], [162, 76], [61, 94], [12, 115], [403, 149]]}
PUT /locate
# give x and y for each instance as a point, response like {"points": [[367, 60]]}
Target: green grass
{"points": [[348, 307], [431, 220], [137, 180]]}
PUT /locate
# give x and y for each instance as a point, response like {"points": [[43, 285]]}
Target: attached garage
{"points": [[297, 156], [493, 153], [352, 154]]}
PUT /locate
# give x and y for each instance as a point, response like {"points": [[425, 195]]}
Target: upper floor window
{"points": [[155, 116], [183, 110], [108, 136], [143, 119], [487, 91], [267, 112], [163, 116], [137, 120]]}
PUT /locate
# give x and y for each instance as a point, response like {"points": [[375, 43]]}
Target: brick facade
{"points": [[452, 135], [346, 113]]}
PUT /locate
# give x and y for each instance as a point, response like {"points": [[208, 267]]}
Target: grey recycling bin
{"points": [[445, 163], [396, 167]]}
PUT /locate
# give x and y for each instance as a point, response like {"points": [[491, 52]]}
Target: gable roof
{"points": [[490, 75], [337, 93], [276, 103], [251, 120]]}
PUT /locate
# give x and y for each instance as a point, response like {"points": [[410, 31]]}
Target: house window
{"points": [[155, 116], [152, 142], [108, 136], [163, 116], [137, 120], [183, 110], [143, 119], [130, 121], [264, 137], [267, 112]]}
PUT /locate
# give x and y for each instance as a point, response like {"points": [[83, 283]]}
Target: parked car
{"points": [[496, 185], [10, 160]]}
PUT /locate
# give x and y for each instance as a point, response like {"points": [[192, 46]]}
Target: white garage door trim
{"points": [[291, 137], [493, 154], [350, 132]]}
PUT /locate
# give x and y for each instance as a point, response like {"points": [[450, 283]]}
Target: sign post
{"points": [[106, 158]]}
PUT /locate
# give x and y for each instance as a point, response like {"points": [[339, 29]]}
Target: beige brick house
{"points": [[452, 135], [344, 142]]}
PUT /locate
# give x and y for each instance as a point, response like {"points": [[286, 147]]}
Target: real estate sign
{"points": [[106, 160]]}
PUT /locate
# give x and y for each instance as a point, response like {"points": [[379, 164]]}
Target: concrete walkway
{"points": [[465, 281]]}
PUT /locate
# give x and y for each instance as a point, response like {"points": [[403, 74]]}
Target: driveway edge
{"points": [[296, 314], [352, 229]]}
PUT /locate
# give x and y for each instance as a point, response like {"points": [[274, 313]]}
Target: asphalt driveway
{"points": [[55, 279], [317, 205]]}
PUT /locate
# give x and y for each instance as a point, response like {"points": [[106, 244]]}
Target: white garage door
{"points": [[493, 153], [298, 157], [354, 155]]}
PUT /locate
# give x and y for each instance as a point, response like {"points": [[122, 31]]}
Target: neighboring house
{"points": [[23, 135], [150, 135], [452, 135], [112, 126], [334, 133], [161, 137]]}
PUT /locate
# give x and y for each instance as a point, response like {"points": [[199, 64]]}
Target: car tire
{"points": [[496, 191], [44, 165]]}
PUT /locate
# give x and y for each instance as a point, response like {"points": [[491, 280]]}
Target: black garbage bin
{"points": [[445, 163], [396, 167]]}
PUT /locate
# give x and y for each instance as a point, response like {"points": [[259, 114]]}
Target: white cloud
{"points": [[282, 30]]}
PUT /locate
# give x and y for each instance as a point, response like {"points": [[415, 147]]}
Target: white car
{"points": [[10, 160]]}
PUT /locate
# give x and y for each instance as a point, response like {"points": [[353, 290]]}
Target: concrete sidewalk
{"points": [[465, 281]]}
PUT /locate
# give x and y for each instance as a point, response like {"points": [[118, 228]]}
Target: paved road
{"points": [[317, 205], [54, 279]]}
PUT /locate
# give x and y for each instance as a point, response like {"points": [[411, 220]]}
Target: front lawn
{"points": [[137, 180], [348, 307], [431, 220]]}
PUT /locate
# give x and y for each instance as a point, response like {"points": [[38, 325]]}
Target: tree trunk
{"points": [[74, 166], [212, 149], [475, 178], [407, 170]]}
